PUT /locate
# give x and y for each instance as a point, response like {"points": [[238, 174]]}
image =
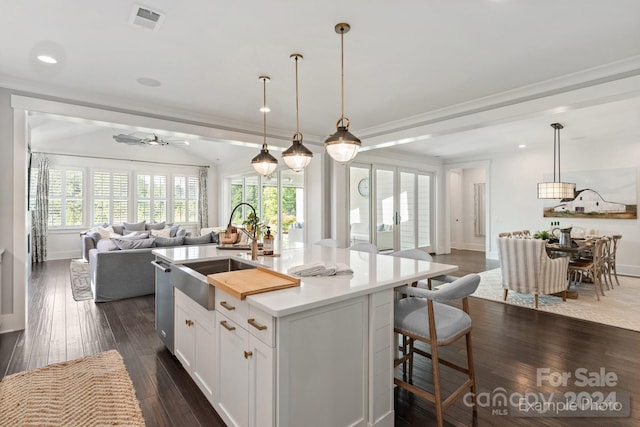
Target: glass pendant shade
{"points": [[297, 157], [264, 163], [556, 189], [342, 146]]}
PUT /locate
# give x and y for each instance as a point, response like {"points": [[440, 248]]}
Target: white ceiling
{"points": [[410, 67]]}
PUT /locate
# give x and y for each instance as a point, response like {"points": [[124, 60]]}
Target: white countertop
{"points": [[372, 273]]}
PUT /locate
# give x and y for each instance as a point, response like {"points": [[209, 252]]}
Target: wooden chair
{"points": [[424, 317], [517, 234], [611, 259], [504, 235], [592, 268], [526, 233]]}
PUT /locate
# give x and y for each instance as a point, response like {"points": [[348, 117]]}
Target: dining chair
{"points": [[364, 247], [592, 268], [526, 233], [611, 259], [424, 316], [332, 243], [505, 234], [517, 234]]}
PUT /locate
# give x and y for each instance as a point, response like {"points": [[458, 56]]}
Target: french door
{"points": [[397, 213]]}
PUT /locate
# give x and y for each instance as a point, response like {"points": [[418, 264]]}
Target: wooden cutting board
{"points": [[241, 283]]}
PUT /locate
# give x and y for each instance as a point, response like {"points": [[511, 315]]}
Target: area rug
{"points": [[92, 391], [80, 285], [619, 307]]}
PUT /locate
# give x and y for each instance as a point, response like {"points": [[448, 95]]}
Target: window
{"points": [[151, 200], [65, 197], [185, 198], [110, 197]]}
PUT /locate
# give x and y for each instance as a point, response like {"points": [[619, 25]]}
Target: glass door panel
{"points": [[386, 217], [407, 209], [292, 184], [424, 212], [359, 204]]}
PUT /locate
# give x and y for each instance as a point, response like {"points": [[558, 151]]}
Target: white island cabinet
{"points": [[320, 354]]}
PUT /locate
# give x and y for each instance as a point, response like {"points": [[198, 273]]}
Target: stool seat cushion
{"points": [[410, 315]]}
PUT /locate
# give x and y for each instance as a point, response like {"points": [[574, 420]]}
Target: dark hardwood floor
{"points": [[510, 343]]}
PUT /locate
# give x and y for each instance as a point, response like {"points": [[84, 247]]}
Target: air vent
{"points": [[146, 18]]}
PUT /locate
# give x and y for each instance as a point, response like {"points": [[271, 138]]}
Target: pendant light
{"points": [[264, 163], [556, 189], [297, 157], [342, 146]]}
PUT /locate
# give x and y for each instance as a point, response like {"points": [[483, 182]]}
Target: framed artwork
{"points": [[606, 193]]}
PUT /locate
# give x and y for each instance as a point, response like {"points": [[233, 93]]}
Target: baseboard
{"points": [[52, 256], [628, 270]]}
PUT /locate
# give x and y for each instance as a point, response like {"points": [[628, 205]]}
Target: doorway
{"points": [[468, 208]]}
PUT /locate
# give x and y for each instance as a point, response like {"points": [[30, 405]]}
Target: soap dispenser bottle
{"points": [[267, 244]]}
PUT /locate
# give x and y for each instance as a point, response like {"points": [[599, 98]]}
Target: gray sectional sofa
{"points": [[120, 266]]}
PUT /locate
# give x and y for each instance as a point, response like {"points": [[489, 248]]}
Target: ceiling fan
{"points": [[147, 140]]}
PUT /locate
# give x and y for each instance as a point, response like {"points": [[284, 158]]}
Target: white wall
{"points": [[514, 205]]}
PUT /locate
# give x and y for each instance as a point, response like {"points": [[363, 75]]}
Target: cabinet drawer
{"points": [[232, 307], [261, 325]]}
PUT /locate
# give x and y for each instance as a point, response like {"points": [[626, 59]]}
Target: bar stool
{"points": [[423, 317]]}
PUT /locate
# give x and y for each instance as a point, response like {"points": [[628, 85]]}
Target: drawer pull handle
{"points": [[248, 354], [227, 306], [227, 326], [256, 325], [188, 322]]}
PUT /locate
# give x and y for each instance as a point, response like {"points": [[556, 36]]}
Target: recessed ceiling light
{"points": [[148, 81], [47, 59], [522, 146]]}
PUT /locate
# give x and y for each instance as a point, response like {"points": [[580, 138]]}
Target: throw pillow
{"points": [[104, 231], [215, 238], [136, 226], [106, 245], [200, 240], [118, 229], [125, 244], [174, 229], [94, 235], [165, 232], [181, 232], [133, 234], [169, 241], [155, 226]]}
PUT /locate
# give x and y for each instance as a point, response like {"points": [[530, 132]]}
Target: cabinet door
{"points": [[233, 371], [261, 384], [205, 352], [184, 336]]}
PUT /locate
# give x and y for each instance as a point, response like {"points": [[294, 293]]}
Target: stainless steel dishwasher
{"points": [[190, 278], [164, 303]]}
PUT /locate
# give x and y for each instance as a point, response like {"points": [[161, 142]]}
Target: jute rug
{"points": [[80, 285], [619, 307], [92, 391]]}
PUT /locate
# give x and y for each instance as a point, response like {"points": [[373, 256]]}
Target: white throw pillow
{"points": [[105, 232], [165, 232]]}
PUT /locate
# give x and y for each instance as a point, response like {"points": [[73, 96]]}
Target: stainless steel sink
{"points": [[192, 278]]}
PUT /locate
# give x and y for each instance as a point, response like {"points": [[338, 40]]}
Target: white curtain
{"points": [[40, 214], [203, 200]]}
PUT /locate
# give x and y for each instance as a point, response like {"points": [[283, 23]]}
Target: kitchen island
{"points": [[320, 353]]}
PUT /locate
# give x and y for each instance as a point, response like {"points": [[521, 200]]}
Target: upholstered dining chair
{"points": [[424, 316], [364, 247], [526, 268]]}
